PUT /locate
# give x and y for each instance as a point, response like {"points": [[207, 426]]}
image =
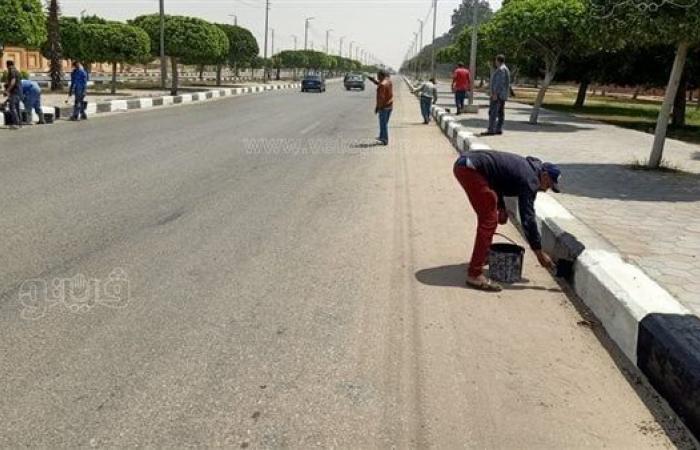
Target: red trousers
{"points": [[485, 203]]}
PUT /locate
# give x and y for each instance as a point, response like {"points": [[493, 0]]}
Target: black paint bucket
{"points": [[506, 262]]}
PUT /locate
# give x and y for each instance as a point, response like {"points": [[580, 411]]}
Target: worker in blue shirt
{"points": [[31, 92], [78, 88]]}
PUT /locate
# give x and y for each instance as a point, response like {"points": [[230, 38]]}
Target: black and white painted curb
{"points": [[154, 102], [658, 334]]}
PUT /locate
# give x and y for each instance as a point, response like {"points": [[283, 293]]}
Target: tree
{"points": [[218, 56], [670, 23], [546, 30], [22, 22], [186, 39], [116, 43], [292, 59], [463, 16], [53, 46], [242, 47]]}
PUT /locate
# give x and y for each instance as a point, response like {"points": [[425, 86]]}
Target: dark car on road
{"points": [[354, 81], [313, 83]]}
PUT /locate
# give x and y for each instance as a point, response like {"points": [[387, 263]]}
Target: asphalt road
{"points": [[250, 273]]}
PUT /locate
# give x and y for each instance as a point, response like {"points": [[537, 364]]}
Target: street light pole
{"points": [[306, 32], [235, 19], [340, 48], [328, 35], [294, 36], [420, 48], [350, 50], [472, 56], [163, 63], [267, 17], [432, 56]]}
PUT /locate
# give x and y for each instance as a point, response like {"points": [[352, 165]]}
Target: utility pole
{"points": [[272, 49], [267, 20], [350, 50], [306, 32], [420, 48], [328, 35], [432, 56], [294, 36], [340, 47], [163, 63], [235, 19], [472, 56]]}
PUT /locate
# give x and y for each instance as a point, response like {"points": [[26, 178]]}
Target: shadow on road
{"points": [[454, 275]]}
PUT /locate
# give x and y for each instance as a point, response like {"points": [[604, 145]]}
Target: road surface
{"points": [[250, 273]]}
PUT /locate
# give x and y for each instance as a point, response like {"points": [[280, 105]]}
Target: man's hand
{"points": [[544, 260], [502, 216]]}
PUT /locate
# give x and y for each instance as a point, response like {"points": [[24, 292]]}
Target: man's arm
{"points": [[528, 220]]}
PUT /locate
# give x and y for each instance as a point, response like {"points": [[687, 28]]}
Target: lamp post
{"points": [[472, 56], [432, 53], [420, 48], [163, 64], [328, 36], [306, 32], [235, 19], [267, 20]]}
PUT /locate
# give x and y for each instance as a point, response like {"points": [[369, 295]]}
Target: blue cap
{"points": [[554, 174]]}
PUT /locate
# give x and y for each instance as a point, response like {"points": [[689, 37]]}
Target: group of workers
{"points": [[487, 177], [27, 93]]}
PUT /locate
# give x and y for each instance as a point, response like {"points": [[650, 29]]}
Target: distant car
{"points": [[313, 83], [355, 81]]}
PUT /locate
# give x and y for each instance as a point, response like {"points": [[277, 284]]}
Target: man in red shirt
{"points": [[461, 82]]}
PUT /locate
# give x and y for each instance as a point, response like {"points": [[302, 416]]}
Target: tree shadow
{"points": [[510, 125], [454, 275], [623, 182], [367, 145]]}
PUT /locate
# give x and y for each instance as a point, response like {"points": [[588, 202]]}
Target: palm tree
{"points": [[54, 46]]}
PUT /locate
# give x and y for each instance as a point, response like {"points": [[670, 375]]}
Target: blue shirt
{"points": [[78, 81], [30, 88], [511, 175]]}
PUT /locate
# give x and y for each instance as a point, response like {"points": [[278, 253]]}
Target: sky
{"points": [[383, 28]]}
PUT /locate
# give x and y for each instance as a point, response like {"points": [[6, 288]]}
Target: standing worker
{"points": [[428, 97], [385, 104], [78, 88], [500, 90], [461, 83], [489, 176], [32, 100], [13, 92]]}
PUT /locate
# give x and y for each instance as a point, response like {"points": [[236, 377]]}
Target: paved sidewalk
{"points": [[653, 219]]}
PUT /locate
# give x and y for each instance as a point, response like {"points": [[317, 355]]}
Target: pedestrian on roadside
{"points": [[489, 176], [13, 92], [461, 83], [500, 90], [32, 100], [78, 88], [385, 103], [428, 97]]}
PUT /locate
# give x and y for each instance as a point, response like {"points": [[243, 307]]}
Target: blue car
{"points": [[313, 83]]}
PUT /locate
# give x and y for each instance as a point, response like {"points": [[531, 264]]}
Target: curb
{"points": [[653, 330], [154, 102]]}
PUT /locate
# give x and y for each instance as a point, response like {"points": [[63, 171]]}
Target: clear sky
{"points": [[382, 27]]}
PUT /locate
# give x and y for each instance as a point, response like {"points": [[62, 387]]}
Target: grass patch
{"points": [[636, 114], [664, 167]]}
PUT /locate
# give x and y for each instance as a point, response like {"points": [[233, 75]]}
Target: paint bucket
{"points": [[506, 261]]}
